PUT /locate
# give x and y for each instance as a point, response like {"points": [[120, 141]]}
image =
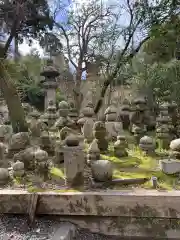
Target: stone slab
{"points": [[141, 203], [66, 231], [129, 228], [14, 201], [112, 203]]}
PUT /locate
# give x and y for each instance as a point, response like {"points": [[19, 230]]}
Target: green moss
{"points": [[33, 189], [57, 172], [138, 165]]}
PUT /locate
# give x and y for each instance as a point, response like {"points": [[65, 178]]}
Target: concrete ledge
{"points": [[141, 203]]}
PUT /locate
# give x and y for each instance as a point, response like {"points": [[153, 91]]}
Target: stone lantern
{"points": [[50, 84], [147, 145], [164, 119], [124, 115]]}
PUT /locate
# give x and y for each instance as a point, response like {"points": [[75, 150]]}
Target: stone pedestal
{"points": [[74, 163], [170, 166]]}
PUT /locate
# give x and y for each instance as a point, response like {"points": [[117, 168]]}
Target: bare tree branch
{"points": [[67, 42], [108, 81]]}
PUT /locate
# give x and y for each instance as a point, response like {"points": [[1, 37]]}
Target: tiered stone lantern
{"points": [[138, 118], [164, 118], [64, 120], [73, 113], [124, 115], [50, 115], [87, 113], [164, 127], [50, 84]]}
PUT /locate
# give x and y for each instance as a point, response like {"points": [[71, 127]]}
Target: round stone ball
{"points": [[102, 170]]}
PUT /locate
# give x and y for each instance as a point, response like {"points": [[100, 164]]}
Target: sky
{"points": [[25, 49]]}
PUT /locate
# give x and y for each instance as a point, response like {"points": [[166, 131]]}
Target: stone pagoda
{"points": [[50, 84]]}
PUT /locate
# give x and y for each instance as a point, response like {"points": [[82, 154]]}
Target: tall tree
{"points": [[19, 19], [88, 32], [141, 17]]}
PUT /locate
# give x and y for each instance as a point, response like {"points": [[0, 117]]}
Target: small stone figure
{"points": [[41, 162], [120, 147], [138, 132], [87, 130], [18, 169], [93, 152], [87, 113], [113, 127], [175, 148], [18, 142], [99, 131], [147, 145], [64, 120], [35, 124]]}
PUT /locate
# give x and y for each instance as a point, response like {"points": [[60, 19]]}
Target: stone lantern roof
{"points": [[49, 72]]}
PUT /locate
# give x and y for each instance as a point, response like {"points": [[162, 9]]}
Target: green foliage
{"points": [[32, 18], [158, 78], [26, 75], [164, 42]]}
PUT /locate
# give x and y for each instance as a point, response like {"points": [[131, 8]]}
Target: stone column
{"points": [[74, 163], [50, 84]]}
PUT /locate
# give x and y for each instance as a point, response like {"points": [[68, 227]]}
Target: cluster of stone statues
{"points": [[76, 140]]}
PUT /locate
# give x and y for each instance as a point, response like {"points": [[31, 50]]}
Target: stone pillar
{"points": [[50, 84], [74, 163]]}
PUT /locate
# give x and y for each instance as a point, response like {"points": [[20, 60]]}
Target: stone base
{"points": [[170, 166]]}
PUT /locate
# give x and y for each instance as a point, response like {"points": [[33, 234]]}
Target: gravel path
{"points": [[17, 228]]}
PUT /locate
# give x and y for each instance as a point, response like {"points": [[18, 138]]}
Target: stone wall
{"points": [[140, 213]]}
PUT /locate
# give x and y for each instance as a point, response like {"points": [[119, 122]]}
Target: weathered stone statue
{"points": [[93, 151], [87, 130], [138, 132], [64, 120], [87, 113], [147, 145], [18, 169], [120, 147], [113, 127], [99, 131]]}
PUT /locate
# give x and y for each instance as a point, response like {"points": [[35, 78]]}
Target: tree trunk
{"points": [[13, 102], [16, 48], [78, 97]]}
